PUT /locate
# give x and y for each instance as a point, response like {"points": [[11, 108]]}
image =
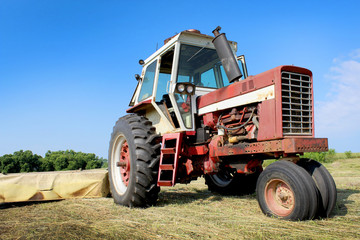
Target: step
{"points": [[165, 183], [167, 167], [168, 151]]}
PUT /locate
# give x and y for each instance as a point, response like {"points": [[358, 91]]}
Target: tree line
{"points": [[26, 161]]}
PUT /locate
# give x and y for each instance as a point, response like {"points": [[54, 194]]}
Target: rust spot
{"points": [[37, 196], [2, 197], [189, 30]]}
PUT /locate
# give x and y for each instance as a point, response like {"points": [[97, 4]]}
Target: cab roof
{"points": [[191, 37]]}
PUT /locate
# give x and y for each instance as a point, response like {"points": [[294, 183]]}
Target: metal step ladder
{"points": [[169, 156]]}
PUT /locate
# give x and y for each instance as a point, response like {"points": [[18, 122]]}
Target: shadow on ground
{"points": [[173, 196], [343, 200], [24, 204]]}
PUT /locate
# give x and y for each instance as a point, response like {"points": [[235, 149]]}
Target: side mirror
{"points": [[137, 77], [241, 59]]}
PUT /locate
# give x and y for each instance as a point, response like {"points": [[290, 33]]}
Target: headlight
{"points": [[185, 88], [189, 89], [181, 88]]}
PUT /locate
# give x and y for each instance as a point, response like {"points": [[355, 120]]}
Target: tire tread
{"points": [[143, 192]]}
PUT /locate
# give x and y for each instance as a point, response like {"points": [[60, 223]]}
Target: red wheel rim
{"points": [[279, 197], [124, 163]]}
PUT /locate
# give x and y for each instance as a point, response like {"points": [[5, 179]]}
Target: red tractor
{"points": [[195, 113]]}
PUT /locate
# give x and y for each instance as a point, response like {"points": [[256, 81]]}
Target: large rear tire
{"points": [[228, 182], [324, 183], [287, 191], [133, 162]]}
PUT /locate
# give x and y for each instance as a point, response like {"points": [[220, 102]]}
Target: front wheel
{"points": [[133, 162], [324, 183], [287, 191]]}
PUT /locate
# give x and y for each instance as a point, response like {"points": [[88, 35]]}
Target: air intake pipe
{"points": [[226, 56]]}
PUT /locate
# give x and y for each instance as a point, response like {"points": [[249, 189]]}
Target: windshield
{"points": [[201, 66]]}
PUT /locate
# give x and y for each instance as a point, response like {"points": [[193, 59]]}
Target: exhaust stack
{"points": [[226, 56]]}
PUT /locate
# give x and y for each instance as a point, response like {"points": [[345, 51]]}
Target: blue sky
{"points": [[67, 67]]}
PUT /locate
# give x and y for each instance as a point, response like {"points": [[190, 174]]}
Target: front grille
{"points": [[296, 104]]}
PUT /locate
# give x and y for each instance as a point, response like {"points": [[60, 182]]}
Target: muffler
{"points": [[226, 56]]}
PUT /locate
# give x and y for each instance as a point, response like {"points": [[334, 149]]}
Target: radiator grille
{"points": [[296, 104]]}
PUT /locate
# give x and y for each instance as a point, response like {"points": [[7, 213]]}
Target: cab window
{"points": [[208, 78], [166, 62], [148, 82], [201, 66]]}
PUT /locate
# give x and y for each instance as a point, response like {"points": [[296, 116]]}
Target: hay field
{"points": [[184, 212]]}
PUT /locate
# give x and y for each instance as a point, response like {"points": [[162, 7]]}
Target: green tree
{"points": [[70, 160], [20, 161], [26, 161]]}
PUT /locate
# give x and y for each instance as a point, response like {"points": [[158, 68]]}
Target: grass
{"points": [[344, 155], [184, 212]]}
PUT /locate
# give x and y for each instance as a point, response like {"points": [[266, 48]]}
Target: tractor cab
{"points": [[187, 66]]}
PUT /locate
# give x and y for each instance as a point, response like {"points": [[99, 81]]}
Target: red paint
{"points": [[250, 84], [189, 167], [270, 111], [249, 167], [164, 184], [197, 160], [210, 120], [169, 158], [190, 133], [196, 150], [283, 146], [279, 197], [124, 163], [166, 167], [211, 164], [299, 145], [268, 121], [185, 107], [168, 151]]}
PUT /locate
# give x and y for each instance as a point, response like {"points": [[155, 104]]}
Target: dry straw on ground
{"points": [[184, 212]]}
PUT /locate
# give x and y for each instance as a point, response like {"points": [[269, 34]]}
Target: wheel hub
{"points": [[124, 163], [284, 196], [279, 197]]}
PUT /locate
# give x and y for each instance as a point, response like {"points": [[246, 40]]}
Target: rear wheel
{"points": [[287, 191], [133, 162], [324, 183], [228, 182]]}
